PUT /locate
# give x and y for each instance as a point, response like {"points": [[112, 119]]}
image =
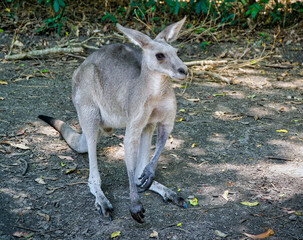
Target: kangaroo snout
{"points": [[182, 71]]}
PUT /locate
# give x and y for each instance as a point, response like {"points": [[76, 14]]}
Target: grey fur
{"points": [[122, 86]]}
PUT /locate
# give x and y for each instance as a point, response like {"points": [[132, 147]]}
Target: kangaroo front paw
{"points": [[137, 211], [146, 179]]}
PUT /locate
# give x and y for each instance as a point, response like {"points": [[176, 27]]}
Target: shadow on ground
{"points": [[225, 139]]}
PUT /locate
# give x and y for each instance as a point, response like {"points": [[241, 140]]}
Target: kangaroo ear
{"points": [[136, 37], [170, 33]]}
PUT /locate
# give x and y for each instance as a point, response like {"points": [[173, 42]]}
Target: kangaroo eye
{"points": [[160, 56]]}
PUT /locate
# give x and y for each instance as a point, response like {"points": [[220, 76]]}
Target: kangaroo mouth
{"points": [[179, 77]]}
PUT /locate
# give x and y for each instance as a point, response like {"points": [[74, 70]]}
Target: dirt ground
{"points": [[225, 139]]}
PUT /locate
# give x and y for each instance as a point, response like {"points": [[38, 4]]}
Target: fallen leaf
{"points": [[51, 178], [154, 234], [220, 234], [179, 225], [193, 201], [20, 146], [193, 99], [71, 171], [47, 217], [69, 158], [282, 131], [225, 195], [219, 94], [182, 110], [18, 43], [115, 234], [193, 145], [261, 235], [22, 234], [119, 136], [179, 120], [40, 180], [229, 184], [250, 204], [62, 164], [3, 82]]}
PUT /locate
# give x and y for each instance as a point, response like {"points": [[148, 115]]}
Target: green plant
{"points": [[57, 21], [142, 7], [110, 17], [255, 8]]}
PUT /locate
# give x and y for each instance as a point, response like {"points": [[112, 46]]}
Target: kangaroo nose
{"points": [[182, 71]]}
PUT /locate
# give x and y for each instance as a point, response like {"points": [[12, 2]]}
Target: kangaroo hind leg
{"points": [[90, 123]]}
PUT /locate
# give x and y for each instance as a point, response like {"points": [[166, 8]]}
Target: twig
{"points": [[25, 167], [214, 75], [29, 229], [38, 231], [251, 62], [146, 25], [13, 42], [36, 53], [72, 184], [90, 47], [278, 158], [205, 62], [278, 66]]}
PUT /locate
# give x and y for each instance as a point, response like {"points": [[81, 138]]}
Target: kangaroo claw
{"points": [[137, 212], [105, 210], [146, 179]]}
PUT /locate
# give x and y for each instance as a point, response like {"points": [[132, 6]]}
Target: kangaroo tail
{"points": [[75, 140]]}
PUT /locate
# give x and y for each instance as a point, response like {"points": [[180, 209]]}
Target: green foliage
{"points": [[57, 4], [110, 17], [57, 21], [218, 13], [264, 35], [204, 44], [255, 8], [141, 8]]}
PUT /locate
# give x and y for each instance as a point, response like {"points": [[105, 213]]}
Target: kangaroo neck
{"points": [[157, 83]]}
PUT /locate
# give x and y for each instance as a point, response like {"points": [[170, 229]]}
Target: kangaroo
{"points": [[121, 86]]}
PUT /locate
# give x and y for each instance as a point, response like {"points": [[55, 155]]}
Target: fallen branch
{"points": [[214, 75], [36, 53], [205, 62]]}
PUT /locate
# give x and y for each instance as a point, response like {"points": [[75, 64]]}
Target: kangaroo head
{"points": [[158, 55]]}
